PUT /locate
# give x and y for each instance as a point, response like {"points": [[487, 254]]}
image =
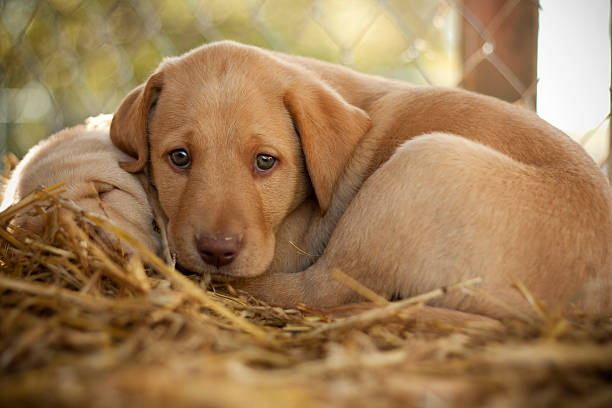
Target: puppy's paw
{"points": [[278, 289]]}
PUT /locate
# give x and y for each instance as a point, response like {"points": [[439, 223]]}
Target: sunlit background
{"points": [[574, 70], [64, 60]]}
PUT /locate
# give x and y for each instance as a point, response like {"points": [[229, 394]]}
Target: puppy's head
{"points": [[84, 159], [235, 139]]}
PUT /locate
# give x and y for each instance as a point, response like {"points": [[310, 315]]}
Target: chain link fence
{"points": [[64, 60]]}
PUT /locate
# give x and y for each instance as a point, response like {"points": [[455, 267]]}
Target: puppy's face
{"points": [[235, 139], [227, 165]]}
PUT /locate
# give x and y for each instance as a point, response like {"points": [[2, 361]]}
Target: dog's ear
{"points": [[128, 130], [329, 129]]}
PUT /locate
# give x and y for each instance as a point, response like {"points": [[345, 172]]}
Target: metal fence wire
{"points": [[64, 60]]}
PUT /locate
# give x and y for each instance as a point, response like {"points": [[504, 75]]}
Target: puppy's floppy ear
{"points": [[128, 130], [329, 130]]}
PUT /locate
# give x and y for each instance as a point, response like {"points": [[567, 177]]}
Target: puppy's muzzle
{"points": [[219, 250]]}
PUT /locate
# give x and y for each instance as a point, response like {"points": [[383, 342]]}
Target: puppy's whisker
{"points": [[301, 251]]}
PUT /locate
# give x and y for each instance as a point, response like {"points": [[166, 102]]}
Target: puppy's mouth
{"points": [[207, 276], [217, 274], [223, 278], [226, 274]]}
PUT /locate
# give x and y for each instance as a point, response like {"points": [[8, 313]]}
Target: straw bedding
{"points": [[83, 325]]}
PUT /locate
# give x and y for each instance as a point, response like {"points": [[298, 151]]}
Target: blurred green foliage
{"points": [[64, 60]]}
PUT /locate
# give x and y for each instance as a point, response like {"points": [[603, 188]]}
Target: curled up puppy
{"points": [[404, 188], [84, 158]]}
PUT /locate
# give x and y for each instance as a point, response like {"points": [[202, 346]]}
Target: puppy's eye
{"points": [[180, 158], [264, 162]]}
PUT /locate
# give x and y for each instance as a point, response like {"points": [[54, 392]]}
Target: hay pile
{"points": [[82, 326]]}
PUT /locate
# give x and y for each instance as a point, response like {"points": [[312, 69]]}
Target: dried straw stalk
{"points": [[81, 325]]}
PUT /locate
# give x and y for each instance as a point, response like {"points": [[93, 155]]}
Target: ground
{"points": [[83, 325]]}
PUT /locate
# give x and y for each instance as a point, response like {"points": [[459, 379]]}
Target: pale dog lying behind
{"points": [[84, 158], [406, 188]]}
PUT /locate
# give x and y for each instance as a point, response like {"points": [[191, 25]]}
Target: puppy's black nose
{"points": [[218, 250]]}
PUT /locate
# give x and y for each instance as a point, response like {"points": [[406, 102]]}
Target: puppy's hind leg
{"points": [[441, 210], [423, 220]]}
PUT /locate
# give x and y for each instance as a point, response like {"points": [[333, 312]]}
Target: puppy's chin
{"points": [[221, 278], [235, 270]]}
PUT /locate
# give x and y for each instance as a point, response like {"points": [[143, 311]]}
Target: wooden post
{"points": [[500, 47], [610, 118]]}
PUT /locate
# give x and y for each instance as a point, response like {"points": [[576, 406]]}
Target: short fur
{"points": [[405, 188]]}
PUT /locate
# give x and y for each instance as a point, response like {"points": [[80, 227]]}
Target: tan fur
{"points": [[405, 188], [84, 158]]}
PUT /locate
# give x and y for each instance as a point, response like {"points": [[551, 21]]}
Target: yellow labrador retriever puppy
{"points": [[405, 188], [84, 158]]}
